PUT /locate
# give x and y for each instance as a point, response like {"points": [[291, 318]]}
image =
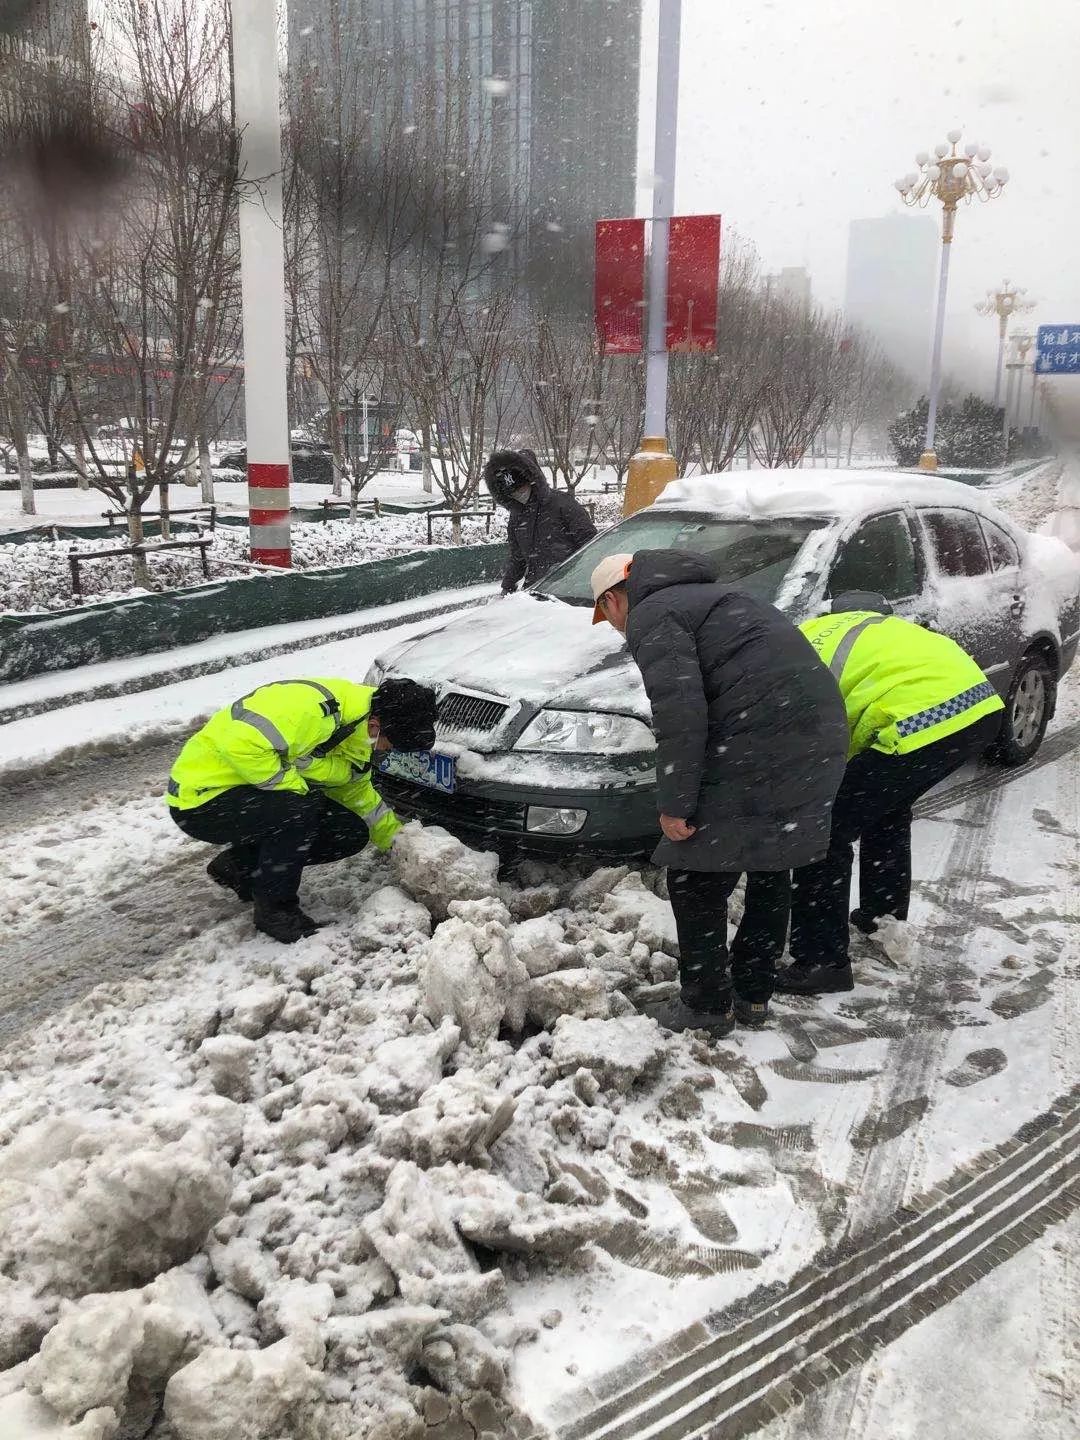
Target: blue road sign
{"points": [[1057, 350]]}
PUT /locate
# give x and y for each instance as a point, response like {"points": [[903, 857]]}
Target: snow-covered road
{"points": [[730, 1170], [432, 1152]]}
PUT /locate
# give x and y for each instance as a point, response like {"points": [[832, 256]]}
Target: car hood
{"points": [[542, 652]]}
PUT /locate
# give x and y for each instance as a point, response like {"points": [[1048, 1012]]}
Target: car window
{"points": [[880, 556], [957, 542], [1004, 554], [754, 554]]}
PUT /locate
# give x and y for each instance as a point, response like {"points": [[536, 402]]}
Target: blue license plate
{"points": [[433, 771]]}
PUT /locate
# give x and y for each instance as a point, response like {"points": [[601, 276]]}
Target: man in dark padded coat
{"points": [[751, 741], [545, 525]]}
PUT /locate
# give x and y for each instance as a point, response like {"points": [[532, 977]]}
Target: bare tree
{"points": [[562, 375], [622, 411], [803, 386], [459, 372], [349, 195], [157, 299]]}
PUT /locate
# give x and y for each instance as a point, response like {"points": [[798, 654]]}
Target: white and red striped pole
{"points": [[262, 277]]}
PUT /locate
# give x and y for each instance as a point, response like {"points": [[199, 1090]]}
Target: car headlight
{"points": [[376, 674], [585, 732]]}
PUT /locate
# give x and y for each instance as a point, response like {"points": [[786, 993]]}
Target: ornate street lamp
{"points": [[1003, 303], [950, 176]]}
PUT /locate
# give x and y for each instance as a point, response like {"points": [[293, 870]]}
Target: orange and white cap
{"points": [[609, 573]]}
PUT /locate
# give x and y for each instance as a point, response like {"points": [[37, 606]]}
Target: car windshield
{"points": [[755, 553]]}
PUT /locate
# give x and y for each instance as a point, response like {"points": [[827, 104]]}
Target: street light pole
{"points": [[950, 177], [928, 459], [1003, 303], [653, 466], [262, 277]]}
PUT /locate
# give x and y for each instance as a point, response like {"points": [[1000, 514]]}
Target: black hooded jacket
{"points": [[550, 527], [750, 727]]}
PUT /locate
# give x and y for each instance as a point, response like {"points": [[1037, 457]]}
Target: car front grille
{"points": [[468, 812], [458, 711]]}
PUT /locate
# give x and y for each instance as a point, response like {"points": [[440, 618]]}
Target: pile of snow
{"points": [[272, 1191], [36, 575]]}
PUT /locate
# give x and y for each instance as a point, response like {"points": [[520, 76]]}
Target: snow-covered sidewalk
{"points": [[181, 677]]}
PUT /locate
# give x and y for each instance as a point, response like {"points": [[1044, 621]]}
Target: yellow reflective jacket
{"points": [[289, 736], [903, 686]]}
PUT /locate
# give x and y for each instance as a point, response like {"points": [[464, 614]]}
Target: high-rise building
{"points": [[890, 286], [552, 85], [57, 30], [792, 286]]}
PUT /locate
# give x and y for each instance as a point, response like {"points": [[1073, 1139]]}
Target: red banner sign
{"points": [[620, 285], [693, 282]]}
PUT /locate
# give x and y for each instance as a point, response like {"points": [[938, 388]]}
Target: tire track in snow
{"points": [[741, 1369], [888, 1137], [992, 777], [53, 965]]}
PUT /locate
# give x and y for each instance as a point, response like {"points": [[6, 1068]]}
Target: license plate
{"points": [[433, 771]]}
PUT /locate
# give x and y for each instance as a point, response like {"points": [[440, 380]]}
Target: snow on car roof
{"points": [[784, 493]]}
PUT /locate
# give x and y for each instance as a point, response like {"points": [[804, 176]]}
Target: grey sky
{"points": [[797, 115]]}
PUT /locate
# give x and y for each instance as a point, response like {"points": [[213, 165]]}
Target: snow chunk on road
{"points": [[239, 1394], [401, 1070], [457, 1119], [123, 1207], [490, 1212], [413, 1233], [435, 868], [470, 974], [389, 918], [254, 1010], [618, 1052], [23, 1417], [569, 992], [632, 906], [541, 946], [117, 1352]]}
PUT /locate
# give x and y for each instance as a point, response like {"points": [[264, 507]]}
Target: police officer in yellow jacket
{"points": [[283, 777], [918, 707]]}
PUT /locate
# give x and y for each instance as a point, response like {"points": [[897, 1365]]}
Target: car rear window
{"points": [[957, 542], [1004, 554], [754, 554]]}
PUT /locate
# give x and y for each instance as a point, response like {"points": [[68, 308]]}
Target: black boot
{"points": [[814, 979], [677, 1016], [754, 1014], [866, 923], [224, 871], [282, 920]]}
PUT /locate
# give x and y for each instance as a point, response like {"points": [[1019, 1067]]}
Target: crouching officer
{"points": [[918, 708], [283, 777]]}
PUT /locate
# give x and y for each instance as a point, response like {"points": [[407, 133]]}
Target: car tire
{"points": [[1028, 708]]}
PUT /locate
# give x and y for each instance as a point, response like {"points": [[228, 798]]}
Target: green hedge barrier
{"points": [[33, 644]]}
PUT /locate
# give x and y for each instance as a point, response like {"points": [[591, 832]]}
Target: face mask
{"points": [[521, 494]]}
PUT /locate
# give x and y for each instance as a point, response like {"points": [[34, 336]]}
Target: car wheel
{"points": [[1028, 708]]}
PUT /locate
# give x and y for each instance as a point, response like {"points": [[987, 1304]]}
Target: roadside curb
{"points": [[211, 666]]}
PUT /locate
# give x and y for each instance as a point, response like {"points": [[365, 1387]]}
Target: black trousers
{"points": [[699, 899], [873, 806], [273, 834]]}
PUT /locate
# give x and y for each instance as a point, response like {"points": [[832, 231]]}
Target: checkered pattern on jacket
{"points": [[945, 711]]}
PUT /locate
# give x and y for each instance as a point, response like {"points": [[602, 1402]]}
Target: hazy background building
{"points": [[792, 286], [554, 83], [891, 268]]}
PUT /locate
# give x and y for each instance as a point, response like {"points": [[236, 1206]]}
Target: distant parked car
{"points": [[544, 742], [312, 461]]}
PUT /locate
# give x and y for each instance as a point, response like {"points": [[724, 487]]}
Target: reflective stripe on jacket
{"points": [[289, 736], [903, 686]]}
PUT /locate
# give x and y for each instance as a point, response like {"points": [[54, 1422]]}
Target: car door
{"points": [[1011, 598], [965, 600], [882, 554]]}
